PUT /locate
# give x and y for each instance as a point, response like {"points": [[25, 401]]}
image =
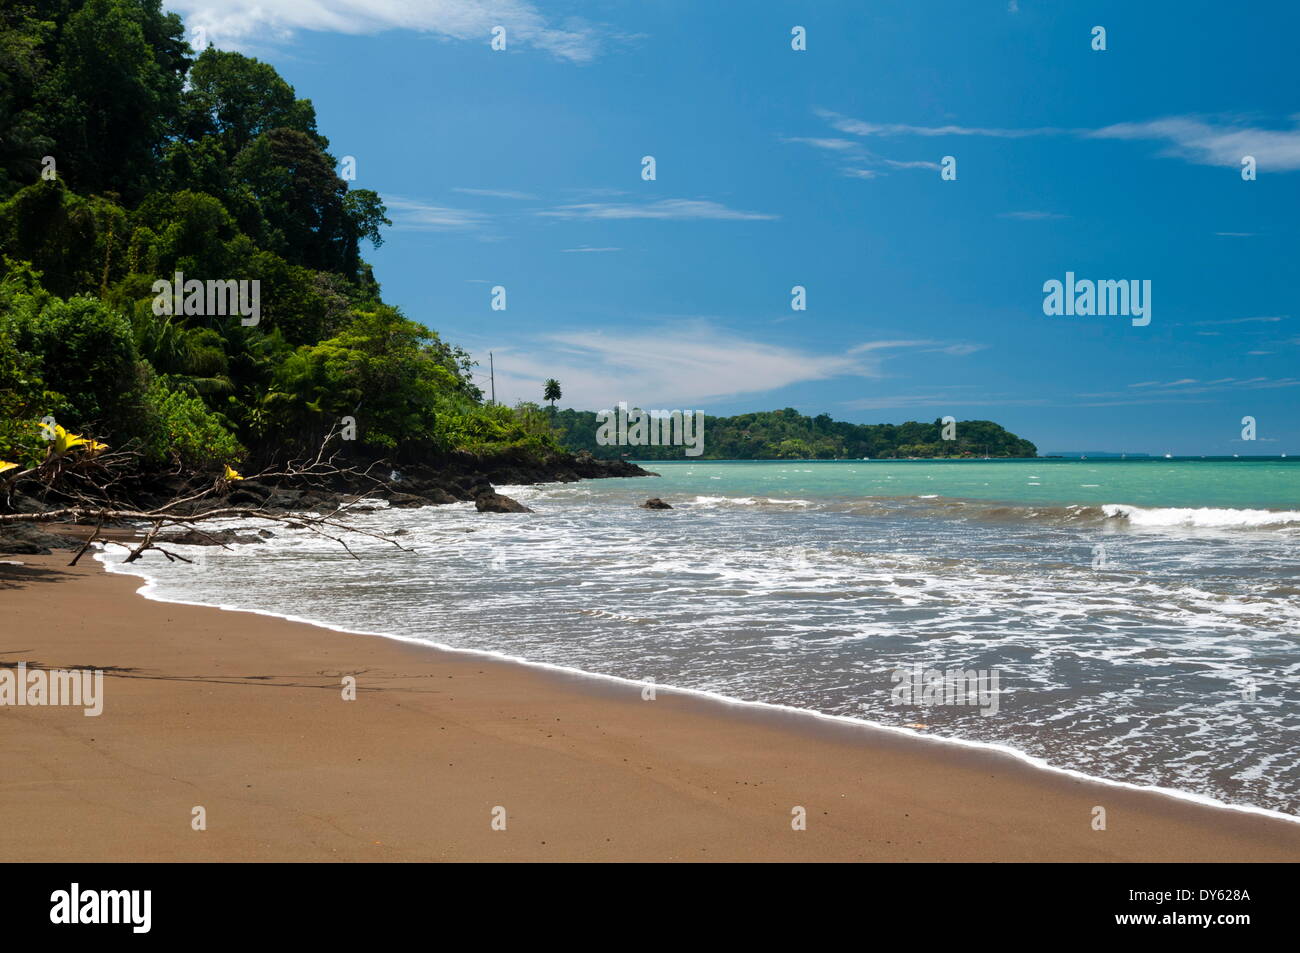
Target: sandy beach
{"points": [[244, 716]]}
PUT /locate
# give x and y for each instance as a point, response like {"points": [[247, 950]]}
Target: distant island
{"points": [[789, 435]]}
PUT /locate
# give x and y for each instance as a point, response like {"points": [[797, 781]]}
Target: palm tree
{"points": [[552, 392]]}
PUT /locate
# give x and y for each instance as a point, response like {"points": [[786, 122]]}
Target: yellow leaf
{"points": [[5, 466], [232, 474], [64, 441]]}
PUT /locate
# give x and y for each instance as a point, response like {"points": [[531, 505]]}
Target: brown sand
{"points": [[243, 715]]}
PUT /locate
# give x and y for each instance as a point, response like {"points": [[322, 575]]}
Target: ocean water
{"points": [[1142, 617]]}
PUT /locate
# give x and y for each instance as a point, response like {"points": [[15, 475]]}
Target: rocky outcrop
{"points": [[654, 503]]}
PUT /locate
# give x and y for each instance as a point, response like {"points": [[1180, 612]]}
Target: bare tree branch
{"points": [[88, 483]]}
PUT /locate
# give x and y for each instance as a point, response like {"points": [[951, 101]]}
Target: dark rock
{"points": [[284, 500], [405, 500], [209, 537], [496, 503], [251, 488], [654, 503], [26, 539]]}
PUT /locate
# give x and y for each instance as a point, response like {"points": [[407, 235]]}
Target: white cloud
{"points": [[411, 215], [497, 194], [857, 127], [834, 145], [1185, 137], [1180, 391], [663, 209], [1205, 143], [1266, 319], [233, 23], [853, 151], [673, 365], [586, 248], [895, 164]]}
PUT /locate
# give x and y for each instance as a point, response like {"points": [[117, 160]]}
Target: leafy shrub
{"points": [[180, 427]]}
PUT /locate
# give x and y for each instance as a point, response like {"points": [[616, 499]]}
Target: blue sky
{"points": [[819, 168]]}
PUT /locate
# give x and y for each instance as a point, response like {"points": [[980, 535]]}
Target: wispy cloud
{"points": [[675, 364], [676, 209], [919, 164], [232, 23], [1191, 138], [834, 145], [413, 215], [858, 127], [498, 194], [1183, 390], [1265, 319], [1032, 216], [585, 248], [852, 150], [1207, 143]]}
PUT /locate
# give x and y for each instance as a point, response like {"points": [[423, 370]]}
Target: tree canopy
{"points": [[127, 158]]}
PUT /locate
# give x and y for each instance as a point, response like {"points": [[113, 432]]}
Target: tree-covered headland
{"points": [[789, 435], [125, 158]]}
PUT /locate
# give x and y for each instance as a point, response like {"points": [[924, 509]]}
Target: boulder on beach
{"points": [[406, 500], [493, 502]]}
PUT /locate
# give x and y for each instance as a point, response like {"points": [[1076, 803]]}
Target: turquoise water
{"points": [[1142, 617], [1269, 483]]}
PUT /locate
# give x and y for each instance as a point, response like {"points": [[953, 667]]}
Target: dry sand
{"points": [[243, 715]]}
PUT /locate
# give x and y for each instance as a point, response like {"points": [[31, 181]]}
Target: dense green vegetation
{"points": [[787, 434], [125, 158]]}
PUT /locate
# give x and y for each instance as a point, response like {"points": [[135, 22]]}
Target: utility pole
{"points": [[492, 374]]}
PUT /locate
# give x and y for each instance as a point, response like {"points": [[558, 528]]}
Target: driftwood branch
{"points": [[88, 484]]}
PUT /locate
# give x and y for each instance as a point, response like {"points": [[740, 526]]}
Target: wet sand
{"points": [[244, 716]]}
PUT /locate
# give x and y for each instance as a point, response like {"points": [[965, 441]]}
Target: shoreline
{"points": [[437, 738], [789, 711]]}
